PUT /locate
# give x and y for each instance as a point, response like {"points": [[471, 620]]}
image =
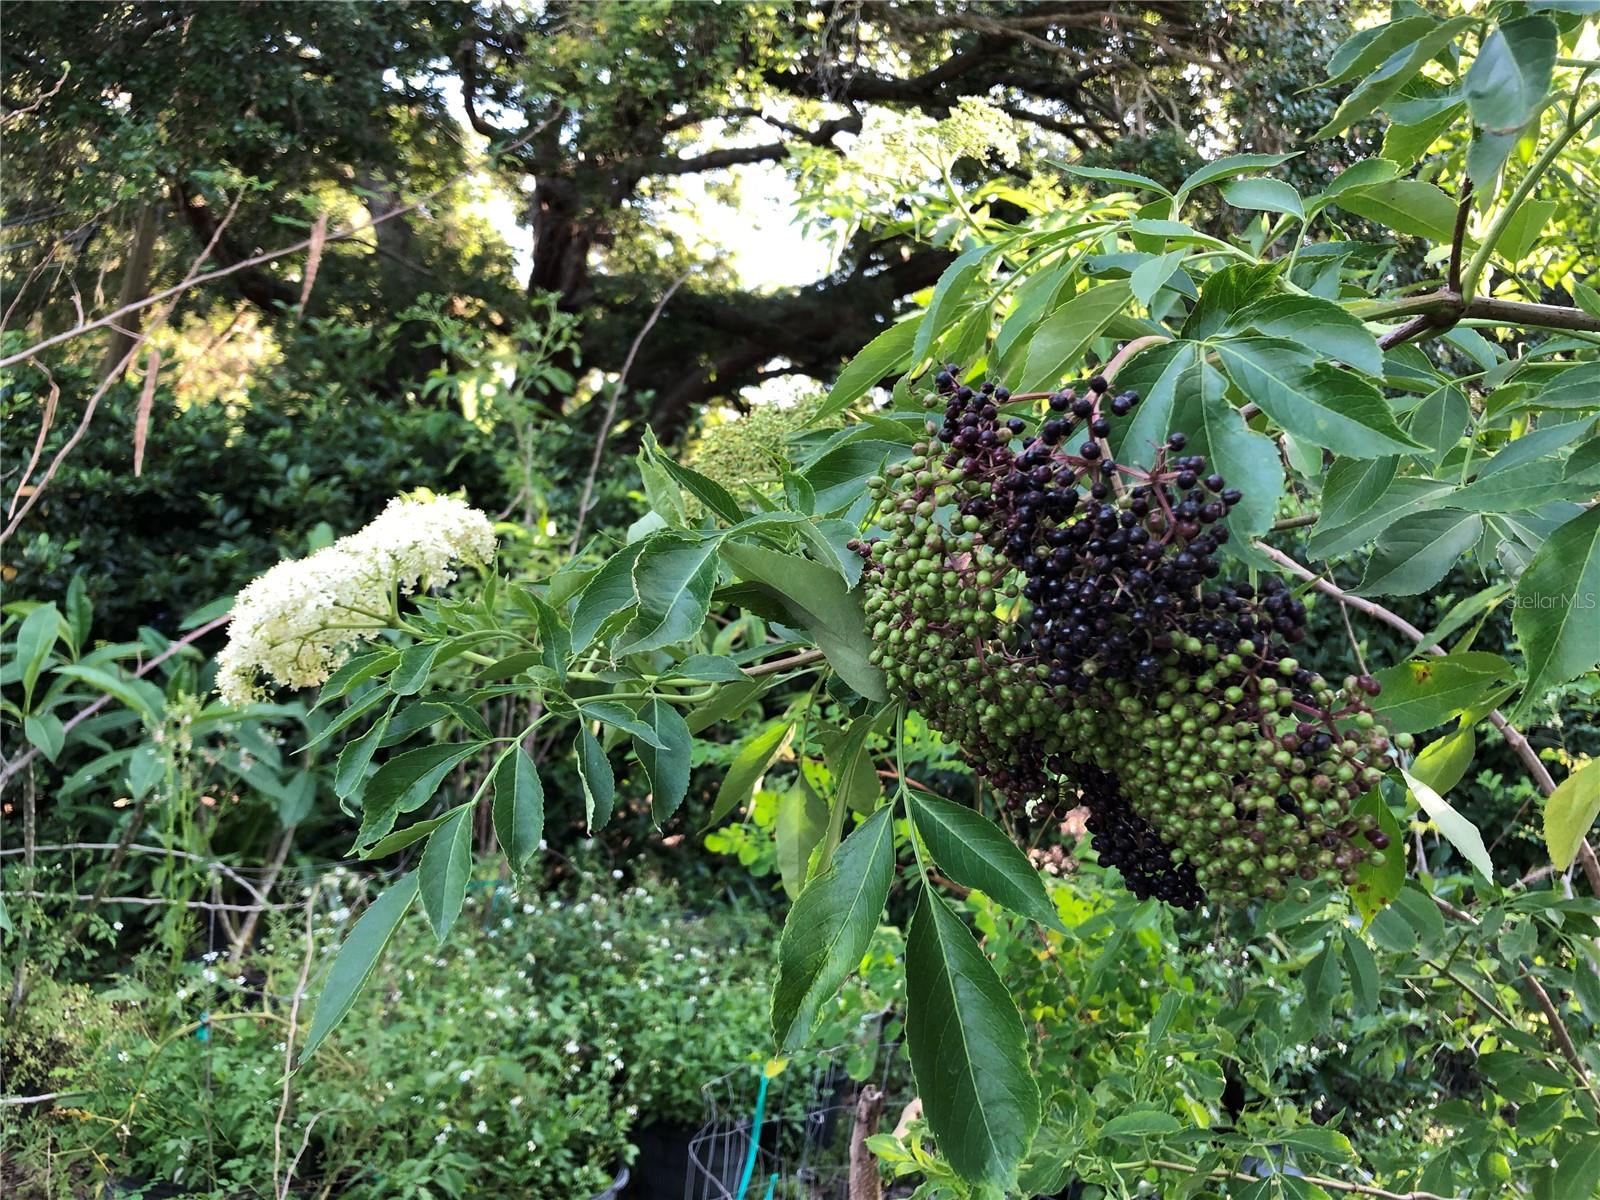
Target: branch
{"points": [[1559, 1031], [1513, 737], [338, 235], [611, 413], [805, 658], [734, 156], [1332, 1185], [1459, 237], [149, 901]]}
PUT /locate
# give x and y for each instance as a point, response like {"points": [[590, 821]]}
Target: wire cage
{"points": [[787, 1135]]}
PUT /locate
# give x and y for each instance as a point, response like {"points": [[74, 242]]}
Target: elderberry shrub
{"points": [[1062, 618]]}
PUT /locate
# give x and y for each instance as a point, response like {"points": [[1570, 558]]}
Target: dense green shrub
{"points": [[512, 1060], [225, 491]]}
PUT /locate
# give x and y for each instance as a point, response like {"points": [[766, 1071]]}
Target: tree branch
{"points": [[1518, 744], [1332, 1185]]}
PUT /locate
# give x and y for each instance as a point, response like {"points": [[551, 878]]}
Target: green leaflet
{"points": [[1264, 195], [36, 638], [608, 592], [1417, 552], [1406, 206], [673, 578], [1376, 887], [1405, 495], [594, 772], [357, 959], [819, 602], [1247, 460], [1509, 79], [1570, 812], [969, 1050], [752, 761], [1318, 324], [1439, 421], [405, 783], [977, 853], [1313, 400], [1386, 80], [1352, 486], [1426, 692], [1460, 832], [882, 356], [1557, 606], [444, 870], [518, 807], [1154, 374], [830, 927], [1063, 336], [665, 756], [801, 825]]}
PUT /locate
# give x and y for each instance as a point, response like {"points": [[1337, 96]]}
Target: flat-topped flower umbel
{"points": [[297, 622]]}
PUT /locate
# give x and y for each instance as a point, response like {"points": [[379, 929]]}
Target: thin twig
{"points": [[1332, 1185], [161, 851], [1414, 328], [51, 400], [1294, 522], [1355, 645], [1514, 740], [611, 413], [1459, 237], [342, 234], [149, 901], [138, 339], [282, 1189], [17, 113], [118, 856], [247, 929], [1562, 1036], [805, 658]]}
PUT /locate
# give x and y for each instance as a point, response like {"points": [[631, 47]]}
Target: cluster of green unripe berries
{"points": [[1061, 617]]}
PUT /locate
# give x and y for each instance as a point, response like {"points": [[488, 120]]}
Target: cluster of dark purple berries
{"points": [[1062, 618]]}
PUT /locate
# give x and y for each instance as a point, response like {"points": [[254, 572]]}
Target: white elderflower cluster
{"points": [[892, 145], [296, 623], [976, 129]]}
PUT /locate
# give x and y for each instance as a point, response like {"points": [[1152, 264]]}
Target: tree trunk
{"points": [[135, 287], [864, 1183]]}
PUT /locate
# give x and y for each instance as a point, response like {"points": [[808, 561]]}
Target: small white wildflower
{"points": [[294, 624], [465, 1075], [532, 1146], [117, 925], [483, 1127], [616, 874], [572, 1047], [516, 1102]]}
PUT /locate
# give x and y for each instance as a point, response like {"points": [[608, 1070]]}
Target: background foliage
{"points": [[1354, 246]]}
